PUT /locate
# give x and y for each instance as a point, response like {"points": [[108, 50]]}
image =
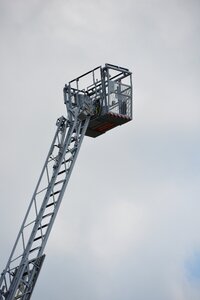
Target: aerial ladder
{"points": [[96, 102]]}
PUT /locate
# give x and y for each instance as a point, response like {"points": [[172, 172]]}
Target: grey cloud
{"points": [[129, 220]]}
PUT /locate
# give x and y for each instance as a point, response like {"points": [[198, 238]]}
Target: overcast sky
{"points": [[129, 225]]}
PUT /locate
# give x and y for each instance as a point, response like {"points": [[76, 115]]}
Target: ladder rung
{"points": [[50, 204], [58, 182], [66, 161], [38, 238], [54, 193], [61, 172], [47, 215], [43, 226], [37, 248]]}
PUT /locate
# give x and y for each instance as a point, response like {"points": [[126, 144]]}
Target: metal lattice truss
{"points": [[101, 106], [18, 279]]}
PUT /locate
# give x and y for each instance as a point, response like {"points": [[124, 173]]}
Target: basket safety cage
{"points": [[106, 92]]}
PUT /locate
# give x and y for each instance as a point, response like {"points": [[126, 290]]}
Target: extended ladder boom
{"points": [[105, 104], [18, 279]]}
